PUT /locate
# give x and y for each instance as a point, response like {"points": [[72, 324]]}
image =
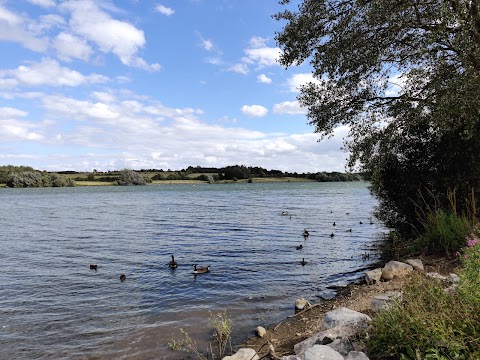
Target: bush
{"points": [[130, 177], [429, 324], [444, 232]]}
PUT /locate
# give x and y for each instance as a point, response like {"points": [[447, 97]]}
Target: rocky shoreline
{"points": [[336, 329]]}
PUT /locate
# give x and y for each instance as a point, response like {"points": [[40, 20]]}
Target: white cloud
{"points": [[264, 79], [260, 54], [297, 80], [71, 47], [8, 112], [289, 107], [46, 73], [19, 29], [110, 35], [254, 110], [43, 3], [164, 10], [239, 69]]}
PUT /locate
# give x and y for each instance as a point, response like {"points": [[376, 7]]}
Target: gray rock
{"points": [[300, 304], [384, 301], [373, 276], [261, 332], [454, 278], [345, 317], [325, 337], [322, 352], [291, 357], [395, 268], [341, 345], [356, 355], [243, 354], [416, 264], [437, 276]]}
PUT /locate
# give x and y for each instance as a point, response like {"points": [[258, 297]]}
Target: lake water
{"points": [[52, 306]]}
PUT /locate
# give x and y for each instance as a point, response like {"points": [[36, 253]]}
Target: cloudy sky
{"points": [[152, 84]]}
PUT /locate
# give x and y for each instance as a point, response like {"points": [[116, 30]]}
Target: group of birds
{"points": [[306, 234], [196, 269], [172, 265]]}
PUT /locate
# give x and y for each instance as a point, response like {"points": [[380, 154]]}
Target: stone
{"points": [[325, 337], [454, 278], [341, 345], [384, 301], [345, 317], [322, 352], [373, 276], [356, 355], [300, 304], [291, 357], [261, 332], [437, 276], [395, 268], [416, 264], [243, 354]]}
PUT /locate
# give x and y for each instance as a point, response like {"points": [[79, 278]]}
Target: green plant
{"points": [[428, 324], [222, 326]]}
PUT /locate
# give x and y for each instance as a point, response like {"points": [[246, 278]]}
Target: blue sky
{"points": [[152, 84]]}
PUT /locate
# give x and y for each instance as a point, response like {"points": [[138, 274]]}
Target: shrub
{"points": [[444, 232], [429, 321]]}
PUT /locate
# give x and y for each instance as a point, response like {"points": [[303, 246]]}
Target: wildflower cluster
{"points": [[470, 284]]}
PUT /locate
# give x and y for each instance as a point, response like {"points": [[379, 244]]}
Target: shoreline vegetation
{"points": [[25, 176]]}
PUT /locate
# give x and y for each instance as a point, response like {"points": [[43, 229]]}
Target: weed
{"points": [[222, 326]]}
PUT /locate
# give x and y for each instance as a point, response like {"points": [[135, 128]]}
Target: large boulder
{"points": [[243, 354], [325, 337], [416, 264], [356, 355], [322, 352], [345, 317], [373, 276], [395, 269]]}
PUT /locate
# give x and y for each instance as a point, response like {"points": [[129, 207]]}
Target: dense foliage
{"points": [[405, 77], [129, 177], [24, 176], [431, 323]]}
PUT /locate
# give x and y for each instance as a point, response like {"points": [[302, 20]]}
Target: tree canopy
{"points": [[405, 77]]}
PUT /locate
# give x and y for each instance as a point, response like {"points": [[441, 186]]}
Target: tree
{"points": [[130, 177], [405, 77]]}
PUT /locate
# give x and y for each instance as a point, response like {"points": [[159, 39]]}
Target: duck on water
{"points": [[200, 270]]}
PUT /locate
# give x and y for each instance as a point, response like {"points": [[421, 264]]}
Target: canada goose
{"points": [[299, 247], [332, 235], [122, 277], [284, 213], [93, 267], [371, 222], [172, 264], [303, 262], [306, 233], [334, 223], [200, 270], [349, 230]]}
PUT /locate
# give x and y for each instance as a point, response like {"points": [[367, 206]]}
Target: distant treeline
{"points": [[25, 176], [212, 174]]}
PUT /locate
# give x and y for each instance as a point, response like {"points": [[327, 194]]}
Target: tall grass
{"points": [[444, 230], [431, 323], [222, 325]]}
